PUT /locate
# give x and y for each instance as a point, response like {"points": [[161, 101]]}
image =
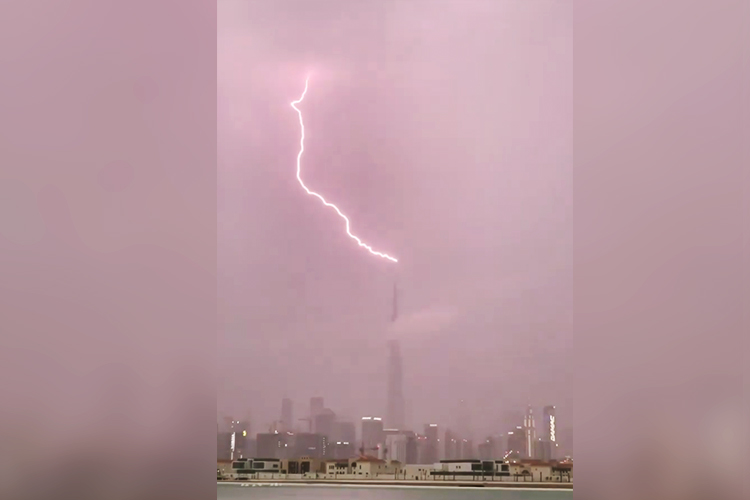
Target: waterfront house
{"points": [[334, 468], [368, 467]]}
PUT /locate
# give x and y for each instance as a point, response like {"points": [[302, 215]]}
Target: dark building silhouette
{"points": [[543, 450], [271, 445], [323, 422], [516, 443], [491, 448], [372, 435], [485, 451], [412, 449], [430, 448], [311, 445], [450, 445], [344, 431], [343, 440], [224, 445], [467, 450]]}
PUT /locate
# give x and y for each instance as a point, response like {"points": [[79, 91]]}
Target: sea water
{"points": [[316, 492]]}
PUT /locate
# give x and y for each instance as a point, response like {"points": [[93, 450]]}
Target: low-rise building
{"points": [[371, 467], [335, 468], [562, 472], [245, 467], [457, 468], [415, 472], [223, 468], [266, 465], [303, 465], [534, 470], [241, 468]]}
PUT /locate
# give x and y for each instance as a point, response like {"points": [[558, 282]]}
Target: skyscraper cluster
{"points": [[324, 435]]}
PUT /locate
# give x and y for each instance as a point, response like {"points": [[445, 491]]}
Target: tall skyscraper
{"points": [[550, 424], [287, 421], [394, 415], [344, 431], [450, 445], [516, 446], [547, 444], [373, 435], [397, 444], [529, 429], [233, 439], [412, 449], [343, 442], [431, 445]]}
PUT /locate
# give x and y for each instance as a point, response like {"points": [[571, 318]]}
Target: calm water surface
{"points": [[231, 492]]}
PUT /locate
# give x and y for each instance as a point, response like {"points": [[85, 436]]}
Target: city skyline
{"points": [[477, 212], [370, 436], [380, 432]]}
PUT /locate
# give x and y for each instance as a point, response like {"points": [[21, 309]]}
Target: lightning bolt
{"points": [[313, 193]]}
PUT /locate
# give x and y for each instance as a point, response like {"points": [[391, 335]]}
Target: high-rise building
{"points": [[233, 439], [344, 431], [397, 446], [343, 443], [467, 450], [412, 449], [271, 445], [426, 451], [224, 445], [450, 445], [550, 425], [323, 422], [341, 450], [543, 449], [372, 435], [431, 444], [485, 451], [529, 429], [516, 447], [500, 445], [316, 406], [546, 444], [287, 420], [311, 445]]}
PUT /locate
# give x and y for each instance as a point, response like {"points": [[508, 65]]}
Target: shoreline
{"points": [[385, 483]]}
